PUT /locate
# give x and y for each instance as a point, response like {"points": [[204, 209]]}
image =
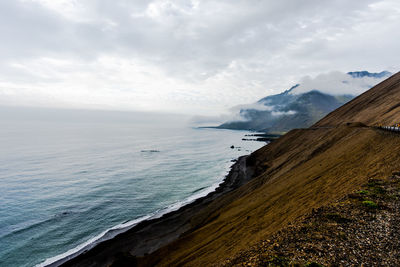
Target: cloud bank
{"points": [[337, 83], [183, 56], [332, 83]]}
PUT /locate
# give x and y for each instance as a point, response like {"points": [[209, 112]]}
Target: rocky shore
{"points": [[149, 235]]}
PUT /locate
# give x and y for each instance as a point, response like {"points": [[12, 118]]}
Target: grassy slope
{"points": [[381, 104], [360, 229], [304, 169]]}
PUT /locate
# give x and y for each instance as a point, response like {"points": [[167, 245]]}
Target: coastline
{"points": [[151, 234]]}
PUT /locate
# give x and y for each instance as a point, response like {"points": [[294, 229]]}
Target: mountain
{"points": [[360, 74], [288, 110], [294, 176]]}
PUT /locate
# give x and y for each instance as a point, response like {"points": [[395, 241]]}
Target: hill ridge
{"points": [[391, 83]]}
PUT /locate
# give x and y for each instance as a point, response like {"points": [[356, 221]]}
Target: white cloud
{"points": [[185, 56], [336, 83], [281, 113], [254, 106]]}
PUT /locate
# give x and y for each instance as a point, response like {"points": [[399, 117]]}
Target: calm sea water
{"points": [[67, 177]]}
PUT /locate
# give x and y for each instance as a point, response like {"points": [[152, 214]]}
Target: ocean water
{"points": [[68, 177]]}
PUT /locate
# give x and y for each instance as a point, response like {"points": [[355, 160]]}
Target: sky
{"points": [[192, 57]]}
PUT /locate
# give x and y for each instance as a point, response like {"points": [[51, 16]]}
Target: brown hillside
{"points": [[361, 229], [379, 105], [304, 169]]}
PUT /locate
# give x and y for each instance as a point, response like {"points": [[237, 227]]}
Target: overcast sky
{"points": [[198, 57]]}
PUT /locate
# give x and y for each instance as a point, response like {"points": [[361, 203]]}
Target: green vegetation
{"points": [[378, 190], [363, 192], [374, 182], [375, 188], [370, 204]]}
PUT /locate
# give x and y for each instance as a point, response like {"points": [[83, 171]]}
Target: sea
{"points": [[71, 178]]}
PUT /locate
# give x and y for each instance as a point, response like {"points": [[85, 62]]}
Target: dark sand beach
{"points": [[149, 235]]}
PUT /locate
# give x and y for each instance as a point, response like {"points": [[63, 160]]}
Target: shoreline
{"points": [[152, 233]]}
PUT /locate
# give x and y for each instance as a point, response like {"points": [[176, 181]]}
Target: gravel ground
{"points": [[361, 229]]}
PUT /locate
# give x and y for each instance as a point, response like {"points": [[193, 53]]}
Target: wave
{"points": [[106, 235], [123, 227]]}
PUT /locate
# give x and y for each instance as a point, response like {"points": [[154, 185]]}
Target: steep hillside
{"points": [[303, 170], [290, 109], [360, 229], [379, 105]]}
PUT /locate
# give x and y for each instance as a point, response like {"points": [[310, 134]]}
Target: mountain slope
{"points": [[379, 105], [303, 170], [290, 110], [287, 111], [340, 234]]}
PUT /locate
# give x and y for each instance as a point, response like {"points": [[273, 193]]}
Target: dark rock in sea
{"points": [[232, 146], [249, 139], [62, 214]]}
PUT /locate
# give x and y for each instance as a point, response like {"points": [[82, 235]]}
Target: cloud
{"points": [[212, 121], [184, 56], [236, 113], [332, 83], [281, 113], [337, 83], [254, 106]]}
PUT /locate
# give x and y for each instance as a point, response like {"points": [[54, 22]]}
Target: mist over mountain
{"points": [[305, 103]]}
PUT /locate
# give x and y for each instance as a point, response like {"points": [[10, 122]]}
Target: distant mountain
{"points": [[285, 111], [360, 74]]}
